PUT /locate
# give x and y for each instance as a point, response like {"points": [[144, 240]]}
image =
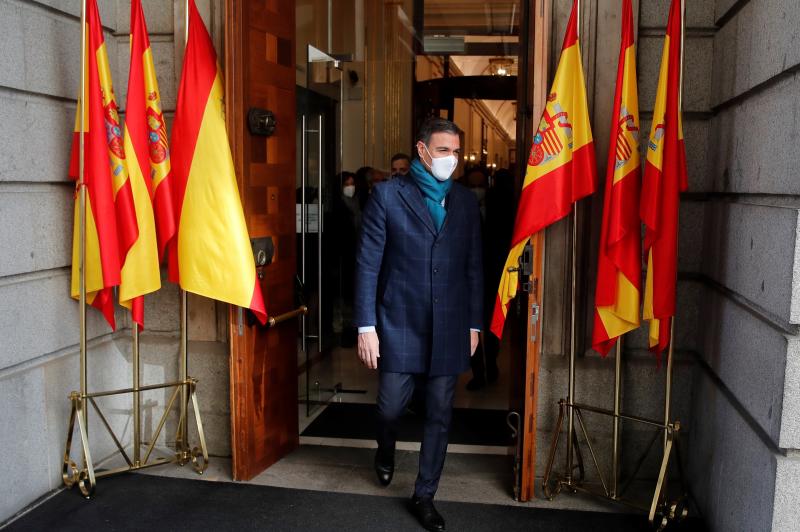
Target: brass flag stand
{"points": [[661, 511], [86, 476]]}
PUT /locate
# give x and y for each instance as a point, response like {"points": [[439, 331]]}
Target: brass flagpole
{"points": [[668, 380], [571, 384], [137, 422], [82, 212], [183, 369], [615, 442]]}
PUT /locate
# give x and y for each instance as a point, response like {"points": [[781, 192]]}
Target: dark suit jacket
{"points": [[422, 290]]}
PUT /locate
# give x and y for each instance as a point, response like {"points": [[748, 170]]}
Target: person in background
{"points": [[363, 182], [497, 230], [419, 301], [477, 181], [400, 165], [347, 220]]}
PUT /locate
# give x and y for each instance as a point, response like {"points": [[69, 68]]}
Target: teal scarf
{"points": [[433, 191]]}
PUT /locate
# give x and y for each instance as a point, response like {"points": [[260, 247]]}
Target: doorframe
{"points": [[533, 81]]}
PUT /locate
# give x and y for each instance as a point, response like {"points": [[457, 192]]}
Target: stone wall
{"points": [[745, 460], [39, 362], [737, 375]]}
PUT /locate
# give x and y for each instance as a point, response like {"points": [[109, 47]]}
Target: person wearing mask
{"points": [[347, 219], [418, 302], [400, 165]]}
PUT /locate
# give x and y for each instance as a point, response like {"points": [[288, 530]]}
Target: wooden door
{"points": [[525, 327], [260, 73]]}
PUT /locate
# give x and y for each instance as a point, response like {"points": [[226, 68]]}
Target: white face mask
{"points": [[349, 191], [442, 167]]}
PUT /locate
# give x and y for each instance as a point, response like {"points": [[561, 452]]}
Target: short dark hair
{"points": [[400, 157], [436, 125]]}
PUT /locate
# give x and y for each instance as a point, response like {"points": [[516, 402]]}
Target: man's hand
{"points": [[368, 349], [474, 339]]}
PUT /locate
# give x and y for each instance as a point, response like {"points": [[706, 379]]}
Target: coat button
{"points": [[436, 270], [435, 299]]}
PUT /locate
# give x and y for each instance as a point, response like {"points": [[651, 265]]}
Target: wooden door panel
{"points": [[259, 64]]}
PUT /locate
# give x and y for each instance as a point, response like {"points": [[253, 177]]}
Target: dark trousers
{"points": [[394, 393]]}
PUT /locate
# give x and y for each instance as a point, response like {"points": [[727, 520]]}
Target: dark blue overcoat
{"points": [[420, 288]]}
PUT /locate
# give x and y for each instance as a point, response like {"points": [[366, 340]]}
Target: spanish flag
{"points": [[211, 255], [664, 179], [148, 168], [561, 166], [111, 227], [619, 263]]}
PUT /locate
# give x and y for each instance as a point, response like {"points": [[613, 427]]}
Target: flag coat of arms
{"points": [[561, 166], [619, 262], [665, 177], [148, 170], [211, 255], [111, 227]]}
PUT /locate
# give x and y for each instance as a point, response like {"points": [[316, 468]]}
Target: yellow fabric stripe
{"points": [[158, 170], [655, 148], [568, 94], [624, 315], [94, 268], [630, 103], [215, 256], [647, 310], [510, 280], [119, 173], [140, 273]]}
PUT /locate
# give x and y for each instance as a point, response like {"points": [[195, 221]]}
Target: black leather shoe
{"points": [[426, 514], [384, 470]]}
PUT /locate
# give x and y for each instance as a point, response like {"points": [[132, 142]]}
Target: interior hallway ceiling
{"points": [[480, 23], [504, 111]]}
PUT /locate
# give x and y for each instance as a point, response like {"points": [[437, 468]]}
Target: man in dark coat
{"points": [[418, 301]]}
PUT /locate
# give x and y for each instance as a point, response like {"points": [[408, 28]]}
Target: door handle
{"points": [[272, 321]]}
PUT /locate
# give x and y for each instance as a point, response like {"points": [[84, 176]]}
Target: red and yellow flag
{"points": [[148, 168], [561, 165], [665, 178], [211, 255], [111, 227], [619, 263]]}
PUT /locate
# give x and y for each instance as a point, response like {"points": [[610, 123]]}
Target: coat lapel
{"points": [[414, 201], [450, 205]]}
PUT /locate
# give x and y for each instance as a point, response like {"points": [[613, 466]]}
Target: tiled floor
{"points": [[466, 477], [471, 474]]}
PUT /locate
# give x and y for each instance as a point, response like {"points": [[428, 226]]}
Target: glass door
{"points": [[319, 143]]}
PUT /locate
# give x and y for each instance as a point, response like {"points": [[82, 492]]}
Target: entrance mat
{"points": [[469, 426], [143, 502]]}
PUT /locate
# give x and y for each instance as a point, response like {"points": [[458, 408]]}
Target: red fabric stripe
{"points": [[127, 226], [257, 303], [197, 78], [550, 198], [104, 302], [661, 190], [136, 104], [164, 210], [498, 318], [137, 311], [571, 34]]}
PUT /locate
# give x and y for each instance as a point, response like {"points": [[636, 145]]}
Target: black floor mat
{"points": [[143, 502], [357, 421]]}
